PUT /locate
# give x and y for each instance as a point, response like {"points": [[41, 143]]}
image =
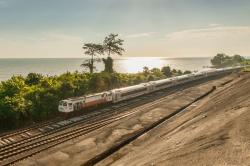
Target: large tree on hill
{"points": [[112, 45], [92, 50]]}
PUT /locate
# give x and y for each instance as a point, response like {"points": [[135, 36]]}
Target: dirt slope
{"points": [[215, 131]]}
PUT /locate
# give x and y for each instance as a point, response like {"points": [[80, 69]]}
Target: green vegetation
{"points": [[223, 60], [24, 100]]}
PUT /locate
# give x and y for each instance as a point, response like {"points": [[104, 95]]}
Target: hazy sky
{"points": [[166, 28]]}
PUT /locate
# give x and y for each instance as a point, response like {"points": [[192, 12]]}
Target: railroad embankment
{"points": [[211, 131], [215, 132]]}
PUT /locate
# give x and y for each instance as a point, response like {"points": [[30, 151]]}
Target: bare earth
{"points": [[213, 131], [216, 132]]}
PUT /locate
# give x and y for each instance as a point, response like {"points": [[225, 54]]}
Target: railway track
{"points": [[32, 147], [16, 151], [81, 119], [27, 129]]}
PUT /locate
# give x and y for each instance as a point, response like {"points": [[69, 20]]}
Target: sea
{"points": [[56, 66]]}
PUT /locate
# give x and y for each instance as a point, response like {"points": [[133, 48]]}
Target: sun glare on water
{"points": [[135, 64]]}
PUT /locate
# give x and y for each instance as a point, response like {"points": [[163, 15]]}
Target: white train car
{"points": [[130, 92], [184, 78], [211, 72], [163, 84], [199, 75]]}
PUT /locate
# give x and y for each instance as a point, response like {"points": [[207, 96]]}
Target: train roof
{"points": [[165, 80], [184, 76]]}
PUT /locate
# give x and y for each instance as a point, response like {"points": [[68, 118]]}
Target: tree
{"points": [[219, 59], [238, 59], [187, 72], [223, 60], [174, 72], [179, 72], [92, 50], [166, 70], [33, 79], [146, 71], [112, 45], [156, 72], [13, 106], [108, 64]]}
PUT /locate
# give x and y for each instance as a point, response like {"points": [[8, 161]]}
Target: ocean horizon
{"points": [[56, 66]]}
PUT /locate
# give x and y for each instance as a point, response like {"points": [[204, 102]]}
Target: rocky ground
{"points": [[213, 131]]}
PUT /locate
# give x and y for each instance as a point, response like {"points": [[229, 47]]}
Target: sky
{"points": [[158, 28]]}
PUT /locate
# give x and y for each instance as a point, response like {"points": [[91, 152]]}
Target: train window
{"points": [[65, 104], [70, 104]]}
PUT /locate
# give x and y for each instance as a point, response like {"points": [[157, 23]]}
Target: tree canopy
{"points": [[112, 46], [92, 50], [223, 60]]}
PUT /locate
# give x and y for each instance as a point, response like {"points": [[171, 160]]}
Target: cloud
{"points": [[211, 32], [214, 25], [54, 36], [208, 41], [46, 44], [138, 35]]}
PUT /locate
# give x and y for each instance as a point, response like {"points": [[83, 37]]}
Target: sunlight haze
{"points": [[158, 28]]}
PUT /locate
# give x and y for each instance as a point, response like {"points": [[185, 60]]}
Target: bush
{"points": [[24, 100]]}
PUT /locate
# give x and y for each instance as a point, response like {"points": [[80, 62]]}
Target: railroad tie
{"points": [[6, 141], [11, 139], [2, 142], [49, 127], [24, 136], [28, 133], [41, 130]]}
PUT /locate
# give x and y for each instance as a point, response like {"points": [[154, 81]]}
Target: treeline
{"points": [[223, 60], [24, 100]]}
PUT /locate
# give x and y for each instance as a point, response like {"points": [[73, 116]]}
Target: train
{"points": [[117, 95]]}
